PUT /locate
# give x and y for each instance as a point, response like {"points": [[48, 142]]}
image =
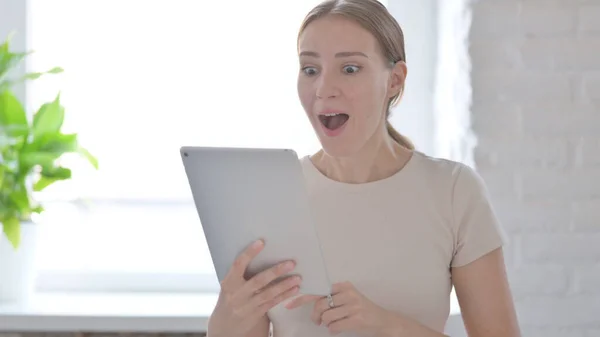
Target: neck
{"points": [[380, 158]]}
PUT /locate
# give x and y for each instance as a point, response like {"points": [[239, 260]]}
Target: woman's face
{"points": [[344, 84]]}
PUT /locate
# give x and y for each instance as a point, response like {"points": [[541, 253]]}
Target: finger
{"points": [[319, 308], [265, 277], [342, 325], [262, 302], [315, 314], [272, 291], [278, 299], [335, 314], [238, 269], [322, 306], [340, 299], [302, 300], [341, 287]]}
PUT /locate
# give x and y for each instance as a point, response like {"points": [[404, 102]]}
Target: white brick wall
{"points": [[536, 113]]}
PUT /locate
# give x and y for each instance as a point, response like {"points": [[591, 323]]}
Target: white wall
{"points": [[536, 115], [420, 34]]}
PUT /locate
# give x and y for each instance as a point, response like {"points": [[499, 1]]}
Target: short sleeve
{"points": [[477, 229]]}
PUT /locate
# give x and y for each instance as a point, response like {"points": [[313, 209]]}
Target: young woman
{"points": [[399, 228]]}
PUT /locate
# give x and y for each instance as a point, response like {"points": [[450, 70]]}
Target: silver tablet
{"points": [[244, 194]]}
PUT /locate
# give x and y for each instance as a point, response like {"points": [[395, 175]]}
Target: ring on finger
{"points": [[330, 301]]}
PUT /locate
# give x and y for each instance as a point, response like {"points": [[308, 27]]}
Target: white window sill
{"points": [[120, 312], [109, 312]]}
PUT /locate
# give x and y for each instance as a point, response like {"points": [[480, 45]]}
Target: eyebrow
{"points": [[340, 54]]}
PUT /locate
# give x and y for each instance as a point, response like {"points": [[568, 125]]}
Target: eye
{"points": [[309, 71], [351, 69]]}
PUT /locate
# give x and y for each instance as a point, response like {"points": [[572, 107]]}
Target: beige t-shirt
{"points": [[397, 238]]}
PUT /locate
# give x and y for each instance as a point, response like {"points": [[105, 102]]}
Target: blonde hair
{"points": [[374, 17]]}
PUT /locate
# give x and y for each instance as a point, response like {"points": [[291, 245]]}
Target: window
{"points": [[142, 79]]}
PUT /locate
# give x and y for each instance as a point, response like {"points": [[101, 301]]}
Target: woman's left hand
{"points": [[352, 311]]}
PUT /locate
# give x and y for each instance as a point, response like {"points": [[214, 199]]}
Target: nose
{"points": [[327, 86]]}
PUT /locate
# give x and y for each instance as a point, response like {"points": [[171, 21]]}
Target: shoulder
{"points": [[443, 173], [462, 183], [463, 195], [458, 187]]}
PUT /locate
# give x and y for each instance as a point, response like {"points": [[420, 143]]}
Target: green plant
{"points": [[30, 148]]}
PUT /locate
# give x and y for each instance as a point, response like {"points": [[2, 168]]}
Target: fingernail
{"points": [[257, 244], [289, 265]]}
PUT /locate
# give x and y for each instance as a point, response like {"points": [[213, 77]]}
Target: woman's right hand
{"points": [[242, 303]]}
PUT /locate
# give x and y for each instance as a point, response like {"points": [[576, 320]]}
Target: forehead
{"points": [[332, 34]]}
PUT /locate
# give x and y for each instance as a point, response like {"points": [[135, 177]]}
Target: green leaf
{"points": [[9, 167], [55, 70], [60, 143], [36, 75], [49, 118], [4, 210], [12, 230], [43, 182], [43, 159], [59, 173], [50, 176], [9, 61], [90, 158], [12, 112], [20, 199], [10, 133], [32, 76]]}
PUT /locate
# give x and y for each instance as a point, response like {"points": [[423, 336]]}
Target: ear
{"points": [[397, 78]]}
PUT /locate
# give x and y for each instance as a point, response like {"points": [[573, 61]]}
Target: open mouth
{"points": [[334, 121]]}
